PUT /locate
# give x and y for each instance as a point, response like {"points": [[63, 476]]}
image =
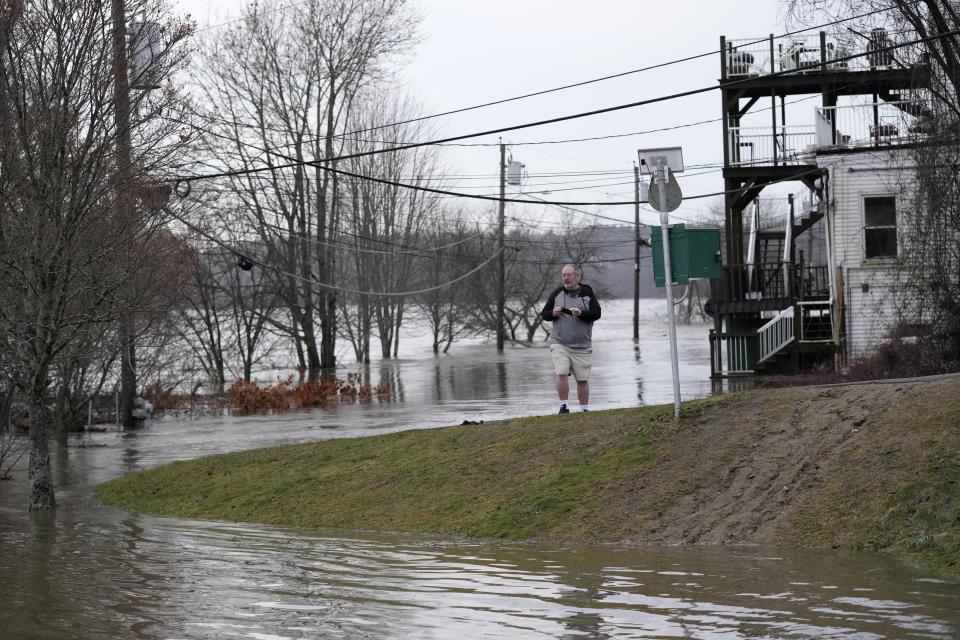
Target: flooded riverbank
{"points": [[90, 571], [158, 578]]}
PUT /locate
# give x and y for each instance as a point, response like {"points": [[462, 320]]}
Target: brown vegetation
{"points": [[249, 397]]}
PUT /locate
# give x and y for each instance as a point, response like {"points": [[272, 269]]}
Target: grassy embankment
{"points": [[878, 471]]}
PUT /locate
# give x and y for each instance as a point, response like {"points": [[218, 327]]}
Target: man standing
{"points": [[573, 308]]}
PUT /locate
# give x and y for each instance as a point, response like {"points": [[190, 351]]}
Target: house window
{"points": [[880, 227]]}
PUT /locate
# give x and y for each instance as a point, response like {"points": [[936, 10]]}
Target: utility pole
{"points": [[501, 267], [121, 96], [636, 252]]}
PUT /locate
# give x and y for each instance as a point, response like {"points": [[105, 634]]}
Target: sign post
{"points": [[661, 164]]}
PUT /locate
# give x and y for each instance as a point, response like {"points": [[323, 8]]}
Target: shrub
{"points": [[249, 397]]}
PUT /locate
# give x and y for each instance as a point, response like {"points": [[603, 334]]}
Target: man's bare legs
{"points": [[563, 388], [583, 393]]}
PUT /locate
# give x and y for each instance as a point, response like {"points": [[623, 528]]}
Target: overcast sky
{"points": [[484, 50]]}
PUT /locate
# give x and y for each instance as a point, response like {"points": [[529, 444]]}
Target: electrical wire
{"points": [[241, 19], [512, 144], [608, 77], [421, 252], [393, 183], [412, 250], [323, 285], [445, 192], [607, 172], [452, 194], [555, 120], [599, 216]]}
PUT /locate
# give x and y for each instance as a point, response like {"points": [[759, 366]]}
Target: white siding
{"points": [[871, 309]]}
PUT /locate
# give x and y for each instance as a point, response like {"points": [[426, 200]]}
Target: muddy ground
{"points": [[803, 466]]}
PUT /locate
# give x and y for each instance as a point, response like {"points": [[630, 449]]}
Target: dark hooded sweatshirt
{"points": [[568, 330]]}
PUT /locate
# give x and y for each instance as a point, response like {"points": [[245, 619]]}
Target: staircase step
{"points": [[806, 222]]}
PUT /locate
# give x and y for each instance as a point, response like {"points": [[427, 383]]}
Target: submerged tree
{"points": [[224, 314], [384, 216], [71, 259], [444, 306], [283, 85]]}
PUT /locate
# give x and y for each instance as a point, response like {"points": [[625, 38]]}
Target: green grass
{"points": [[516, 479], [602, 476]]}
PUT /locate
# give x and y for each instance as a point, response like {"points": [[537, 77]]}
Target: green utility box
{"points": [[694, 253]]}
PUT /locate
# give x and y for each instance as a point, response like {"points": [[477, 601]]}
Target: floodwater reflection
{"points": [[164, 578]]}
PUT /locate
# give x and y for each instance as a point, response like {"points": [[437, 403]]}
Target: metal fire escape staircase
{"points": [[771, 310], [806, 323]]}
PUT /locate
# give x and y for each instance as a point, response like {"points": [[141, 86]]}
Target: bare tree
{"points": [[929, 277], [226, 312], [935, 22], [253, 302], [283, 85], [81, 371], [200, 319], [445, 306], [385, 220], [12, 447], [69, 258]]}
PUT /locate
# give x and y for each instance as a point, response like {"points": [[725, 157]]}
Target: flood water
{"points": [[91, 571]]}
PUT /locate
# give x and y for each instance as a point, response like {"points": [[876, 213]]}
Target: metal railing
{"points": [[776, 334], [814, 52], [811, 281], [782, 280], [731, 353], [757, 282], [788, 144], [872, 124]]}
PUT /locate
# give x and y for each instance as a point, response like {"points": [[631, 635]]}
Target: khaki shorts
{"points": [[566, 359]]}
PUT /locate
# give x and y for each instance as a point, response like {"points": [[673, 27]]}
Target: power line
{"points": [[566, 118], [578, 84], [602, 172], [324, 285], [537, 201], [515, 144], [568, 205], [241, 19], [608, 77], [422, 252]]}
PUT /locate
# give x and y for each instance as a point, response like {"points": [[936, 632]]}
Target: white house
{"points": [[782, 307], [868, 194]]}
